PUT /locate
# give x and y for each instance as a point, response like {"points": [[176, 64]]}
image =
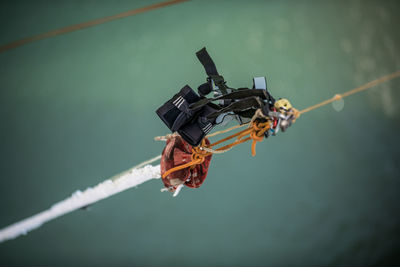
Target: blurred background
{"points": [[78, 108]]}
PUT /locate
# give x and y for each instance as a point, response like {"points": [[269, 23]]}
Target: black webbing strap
{"points": [[239, 94], [239, 106], [211, 69], [207, 62], [236, 95]]}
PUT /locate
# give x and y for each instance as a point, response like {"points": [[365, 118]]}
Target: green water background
{"points": [[78, 108]]}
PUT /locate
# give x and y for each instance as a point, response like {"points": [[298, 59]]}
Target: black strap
{"points": [[236, 101], [239, 106], [211, 69], [240, 94], [207, 62], [236, 95]]}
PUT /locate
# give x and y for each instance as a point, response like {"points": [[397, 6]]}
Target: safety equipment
{"points": [[194, 115], [283, 105], [176, 153], [191, 122], [176, 112]]}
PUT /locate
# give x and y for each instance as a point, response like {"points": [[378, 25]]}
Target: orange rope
{"points": [[258, 134], [353, 91], [255, 131], [87, 24], [198, 156], [243, 132], [227, 130]]}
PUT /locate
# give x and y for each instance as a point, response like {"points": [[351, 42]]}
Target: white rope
{"points": [[147, 162], [121, 182]]}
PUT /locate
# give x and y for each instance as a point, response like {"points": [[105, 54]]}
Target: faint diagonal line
{"points": [[87, 24]]}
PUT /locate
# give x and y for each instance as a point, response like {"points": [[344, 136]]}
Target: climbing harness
{"points": [[194, 115], [191, 116]]}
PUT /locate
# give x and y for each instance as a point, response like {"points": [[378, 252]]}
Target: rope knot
{"points": [[257, 134], [198, 155]]}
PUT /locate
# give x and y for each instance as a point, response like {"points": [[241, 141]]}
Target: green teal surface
{"points": [[78, 108]]}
